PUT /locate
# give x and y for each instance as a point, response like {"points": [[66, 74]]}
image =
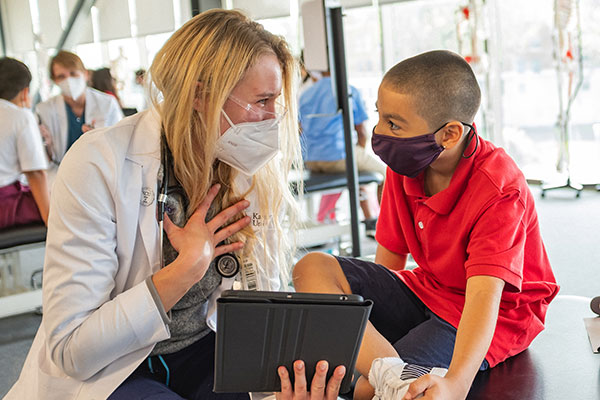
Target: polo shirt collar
{"points": [[444, 201]]}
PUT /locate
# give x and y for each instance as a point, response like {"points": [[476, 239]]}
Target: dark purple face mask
{"points": [[410, 156]]}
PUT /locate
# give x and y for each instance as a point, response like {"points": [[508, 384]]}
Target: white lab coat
{"points": [[100, 321], [101, 108]]}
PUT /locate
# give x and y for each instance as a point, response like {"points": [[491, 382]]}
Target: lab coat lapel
{"points": [[90, 105], [60, 148], [145, 151]]}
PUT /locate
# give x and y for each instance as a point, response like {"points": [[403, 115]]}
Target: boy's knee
{"points": [[317, 272], [312, 264]]}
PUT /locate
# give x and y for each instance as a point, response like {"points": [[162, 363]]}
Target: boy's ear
{"points": [[22, 99], [198, 97], [453, 133]]}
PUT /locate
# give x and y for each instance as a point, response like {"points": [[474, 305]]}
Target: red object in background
{"points": [[327, 207], [466, 12], [569, 54], [468, 59]]}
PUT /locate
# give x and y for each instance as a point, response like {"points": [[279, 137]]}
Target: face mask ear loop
{"points": [[231, 124], [470, 138]]}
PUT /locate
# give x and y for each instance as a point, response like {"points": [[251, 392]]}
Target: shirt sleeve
{"points": [[30, 148], [497, 242], [116, 114], [389, 231], [359, 110]]}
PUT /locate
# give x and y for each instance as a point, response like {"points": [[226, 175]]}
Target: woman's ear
{"points": [[453, 133], [198, 97]]}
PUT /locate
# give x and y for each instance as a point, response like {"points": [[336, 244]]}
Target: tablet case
{"points": [[259, 331]]}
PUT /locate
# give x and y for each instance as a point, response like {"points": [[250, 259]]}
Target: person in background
{"points": [[79, 108], [27, 200], [138, 90], [323, 138], [103, 81], [130, 309], [140, 76]]}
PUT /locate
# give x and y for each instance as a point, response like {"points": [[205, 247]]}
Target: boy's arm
{"points": [[389, 259], [39, 189], [473, 338]]}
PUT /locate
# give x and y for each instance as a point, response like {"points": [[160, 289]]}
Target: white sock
{"points": [[391, 377]]}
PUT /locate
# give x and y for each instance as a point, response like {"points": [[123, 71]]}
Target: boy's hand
{"points": [[430, 386], [319, 388]]}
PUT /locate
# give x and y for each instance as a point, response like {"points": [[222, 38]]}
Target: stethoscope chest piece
{"points": [[227, 265]]}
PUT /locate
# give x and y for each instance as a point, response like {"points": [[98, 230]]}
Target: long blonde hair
{"points": [[215, 49]]}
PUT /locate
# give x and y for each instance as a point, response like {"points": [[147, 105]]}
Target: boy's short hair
{"points": [[442, 85], [14, 77], [68, 60]]}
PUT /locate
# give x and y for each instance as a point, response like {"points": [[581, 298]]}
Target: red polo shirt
{"points": [[484, 223]]}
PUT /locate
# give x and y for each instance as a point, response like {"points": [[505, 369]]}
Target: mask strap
{"points": [[470, 137], [231, 124]]}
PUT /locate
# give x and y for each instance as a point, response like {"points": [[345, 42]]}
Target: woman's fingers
{"points": [[205, 205], [286, 385], [299, 379], [319, 381], [228, 248], [222, 217], [229, 230], [335, 382]]}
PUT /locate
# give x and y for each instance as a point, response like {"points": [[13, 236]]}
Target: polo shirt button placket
{"points": [[421, 226]]}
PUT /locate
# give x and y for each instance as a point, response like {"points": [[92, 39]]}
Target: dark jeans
{"points": [[190, 370]]}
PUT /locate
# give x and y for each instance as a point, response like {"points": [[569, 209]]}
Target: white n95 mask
{"points": [[248, 146], [72, 86]]}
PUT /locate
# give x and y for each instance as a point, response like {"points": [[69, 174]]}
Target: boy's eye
{"points": [[392, 125]]}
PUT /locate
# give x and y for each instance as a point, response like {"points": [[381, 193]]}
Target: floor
{"points": [[570, 228]]}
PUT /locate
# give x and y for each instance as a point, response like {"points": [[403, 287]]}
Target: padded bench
{"points": [[314, 233], [558, 365], [21, 235], [319, 182]]}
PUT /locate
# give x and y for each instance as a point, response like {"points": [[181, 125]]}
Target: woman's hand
{"points": [[197, 241], [319, 388], [47, 139]]}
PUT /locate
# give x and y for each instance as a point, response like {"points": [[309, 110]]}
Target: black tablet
{"points": [[259, 331]]}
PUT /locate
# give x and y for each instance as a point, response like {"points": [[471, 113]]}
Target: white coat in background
{"points": [[100, 320], [101, 108]]}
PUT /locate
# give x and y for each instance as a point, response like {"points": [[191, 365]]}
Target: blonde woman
{"points": [[128, 311]]}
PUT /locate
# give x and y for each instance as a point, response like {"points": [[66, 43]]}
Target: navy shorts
{"points": [[190, 373], [418, 335]]}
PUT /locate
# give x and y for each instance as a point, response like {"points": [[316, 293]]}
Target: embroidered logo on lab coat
{"points": [[147, 196], [259, 220]]}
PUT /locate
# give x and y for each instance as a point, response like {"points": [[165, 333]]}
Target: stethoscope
{"points": [[227, 265]]}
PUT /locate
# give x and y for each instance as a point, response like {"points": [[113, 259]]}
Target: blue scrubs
{"points": [[74, 124], [323, 136]]}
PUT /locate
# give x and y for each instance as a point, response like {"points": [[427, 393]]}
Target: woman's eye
{"points": [[262, 102]]}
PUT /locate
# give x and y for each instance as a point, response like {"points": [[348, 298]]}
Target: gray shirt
{"points": [[188, 316]]}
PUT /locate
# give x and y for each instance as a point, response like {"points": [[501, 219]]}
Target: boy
{"points": [[462, 208], [21, 151]]}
